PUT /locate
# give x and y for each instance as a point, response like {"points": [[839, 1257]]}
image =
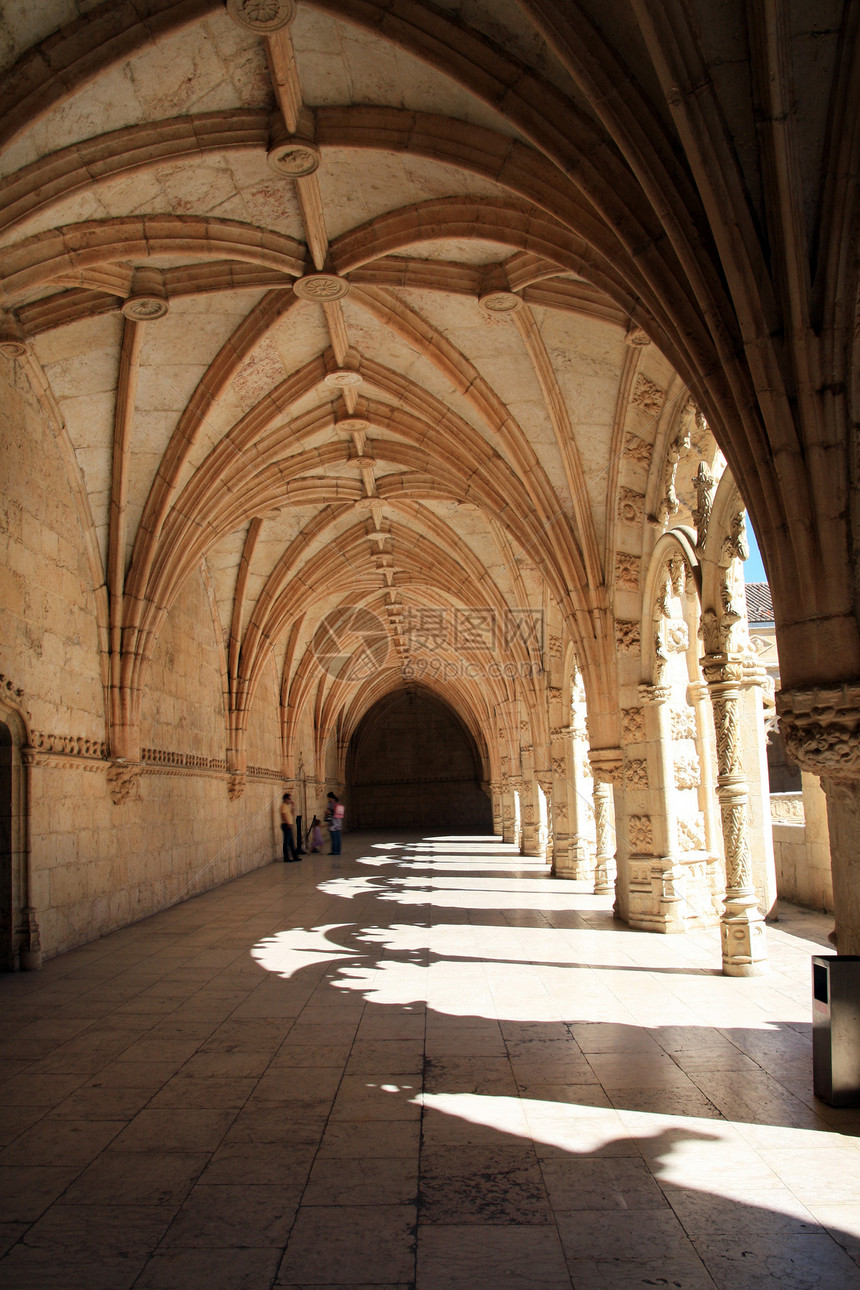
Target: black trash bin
{"points": [[836, 1028]]}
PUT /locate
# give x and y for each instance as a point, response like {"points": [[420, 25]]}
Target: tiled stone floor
{"points": [[423, 1064]]}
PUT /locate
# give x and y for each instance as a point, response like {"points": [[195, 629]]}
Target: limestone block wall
{"points": [[801, 845], [412, 768], [49, 643], [95, 865]]}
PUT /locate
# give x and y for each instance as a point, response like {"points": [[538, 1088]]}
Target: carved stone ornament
{"points": [[688, 773], [632, 726], [631, 506], [627, 571], [647, 396], [606, 765], [637, 449], [640, 834], [691, 834], [145, 308], [343, 378], [627, 636], [263, 16], [705, 486], [12, 341], [352, 425], [294, 158], [821, 729], [637, 338], [123, 780], [683, 723], [322, 288], [501, 302], [236, 786], [676, 636], [636, 773]]}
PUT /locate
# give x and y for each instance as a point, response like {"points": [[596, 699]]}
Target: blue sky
{"points": [[753, 567]]}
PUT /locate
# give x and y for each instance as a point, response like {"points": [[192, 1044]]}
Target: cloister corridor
{"points": [[425, 1063]]}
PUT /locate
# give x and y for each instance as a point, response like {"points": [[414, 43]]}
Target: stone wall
{"points": [[412, 767], [96, 864], [801, 845]]}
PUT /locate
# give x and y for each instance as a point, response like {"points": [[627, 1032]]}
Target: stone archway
{"points": [[413, 764]]}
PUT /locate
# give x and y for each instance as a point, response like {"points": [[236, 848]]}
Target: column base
{"points": [[744, 944], [604, 876]]}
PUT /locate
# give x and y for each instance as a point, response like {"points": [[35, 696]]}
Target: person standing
{"points": [[335, 826], [288, 824]]}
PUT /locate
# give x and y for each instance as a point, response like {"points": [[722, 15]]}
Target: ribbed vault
{"points": [[359, 308]]}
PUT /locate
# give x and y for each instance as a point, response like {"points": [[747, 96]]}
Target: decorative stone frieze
{"points": [[164, 757], [68, 745], [627, 571], [821, 729], [262, 16], [639, 834], [323, 288], [627, 636], [647, 396], [632, 726]]}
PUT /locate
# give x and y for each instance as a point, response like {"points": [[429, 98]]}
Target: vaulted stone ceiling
{"points": [[356, 310]]}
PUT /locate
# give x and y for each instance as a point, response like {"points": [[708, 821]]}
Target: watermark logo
{"points": [[478, 642], [351, 643]]}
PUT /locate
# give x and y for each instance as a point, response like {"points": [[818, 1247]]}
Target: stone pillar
{"points": [[528, 805], [821, 728], [604, 860], [572, 792], [497, 806], [544, 780], [742, 925], [606, 765], [657, 875], [509, 832]]}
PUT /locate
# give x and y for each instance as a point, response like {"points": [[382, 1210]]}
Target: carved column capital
{"points": [[607, 765], [123, 780], [821, 729], [655, 693]]}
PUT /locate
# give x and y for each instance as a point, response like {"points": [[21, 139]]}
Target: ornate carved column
{"points": [[516, 786], [742, 925], [821, 729], [497, 806], [544, 779], [657, 877], [509, 831], [528, 804], [606, 766]]}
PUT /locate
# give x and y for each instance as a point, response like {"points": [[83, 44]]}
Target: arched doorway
{"points": [[412, 764]]}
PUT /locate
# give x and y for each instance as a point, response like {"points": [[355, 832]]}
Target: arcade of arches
{"points": [[385, 387]]}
